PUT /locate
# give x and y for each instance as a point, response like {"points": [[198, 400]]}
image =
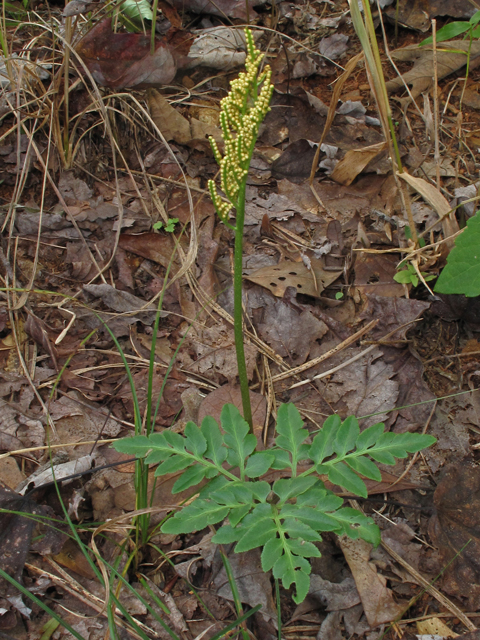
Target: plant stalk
{"points": [[238, 307]]}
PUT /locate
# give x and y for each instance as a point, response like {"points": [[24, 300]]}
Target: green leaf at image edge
{"points": [[462, 273]]}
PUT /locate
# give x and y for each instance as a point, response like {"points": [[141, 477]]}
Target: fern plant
{"points": [[285, 516]]}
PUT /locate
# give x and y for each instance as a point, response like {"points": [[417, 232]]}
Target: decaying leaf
{"points": [[377, 599], [153, 246], [417, 14], [230, 394], [310, 282], [213, 351], [435, 627], [420, 78], [174, 126], [122, 301], [354, 162], [289, 333], [374, 274], [433, 196], [122, 59], [456, 530]]}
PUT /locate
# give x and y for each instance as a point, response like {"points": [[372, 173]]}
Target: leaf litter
{"points": [[313, 273]]}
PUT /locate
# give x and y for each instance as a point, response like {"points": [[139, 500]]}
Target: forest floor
{"points": [[104, 162]]}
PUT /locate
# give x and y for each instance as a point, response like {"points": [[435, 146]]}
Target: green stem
{"points": [[237, 306]]}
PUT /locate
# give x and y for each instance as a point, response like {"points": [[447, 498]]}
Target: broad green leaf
{"points": [[303, 548], [365, 467], [475, 19], [192, 476], [291, 434], [233, 495], [297, 529], [237, 438], [137, 10], [344, 477], [237, 514], [413, 442], [317, 520], [302, 586], [174, 440], [448, 32], [462, 273], [347, 436], [215, 452], [195, 517], [370, 436], [321, 499], [137, 446], [271, 553], [357, 525], [226, 535], [384, 457], [403, 277], [287, 488], [282, 459], [173, 464], [260, 490], [322, 445], [285, 566], [212, 486], [195, 441], [257, 534], [258, 464]]}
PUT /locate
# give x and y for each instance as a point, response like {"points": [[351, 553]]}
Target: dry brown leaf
{"points": [[455, 530], [295, 274], [174, 126], [230, 394], [420, 78], [212, 353], [290, 333], [435, 627], [157, 247], [72, 557], [377, 599], [374, 274], [355, 162], [433, 196]]}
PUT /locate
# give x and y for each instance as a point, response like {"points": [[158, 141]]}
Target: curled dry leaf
{"points": [[355, 162]]}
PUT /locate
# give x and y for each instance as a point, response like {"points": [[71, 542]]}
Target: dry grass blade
{"points": [[433, 591], [350, 66]]}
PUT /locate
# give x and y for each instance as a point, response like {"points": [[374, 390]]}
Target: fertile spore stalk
{"points": [[242, 112]]}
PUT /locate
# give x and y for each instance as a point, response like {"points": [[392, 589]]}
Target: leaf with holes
{"points": [[311, 282]]}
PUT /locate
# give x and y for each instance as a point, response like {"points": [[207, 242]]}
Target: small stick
{"points": [[435, 103]]}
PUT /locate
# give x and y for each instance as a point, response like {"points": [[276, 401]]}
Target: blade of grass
{"points": [[233, 586], [41, 604]]}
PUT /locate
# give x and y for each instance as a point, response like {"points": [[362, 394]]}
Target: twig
{"points": [[435, 103]]}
